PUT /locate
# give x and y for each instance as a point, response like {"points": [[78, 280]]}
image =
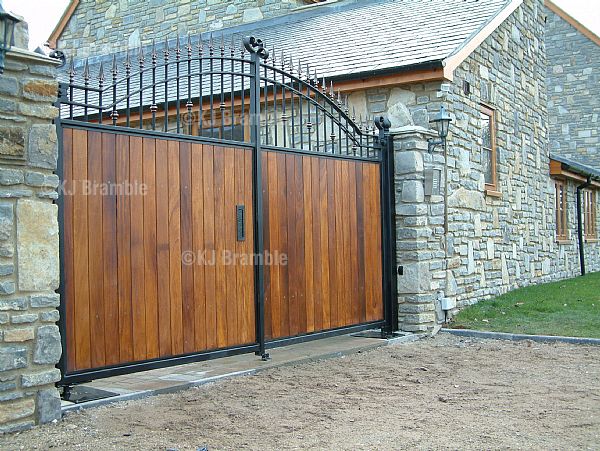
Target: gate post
{"points": [[390, 297], [257, 52]]}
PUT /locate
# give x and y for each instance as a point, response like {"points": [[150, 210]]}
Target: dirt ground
{"points": [[438, 393]]}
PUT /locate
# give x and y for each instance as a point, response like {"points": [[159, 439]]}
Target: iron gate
{"points": [[216, 201]]}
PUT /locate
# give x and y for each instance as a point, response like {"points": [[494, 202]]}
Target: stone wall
{"points": [[30, 344], [573, 86], [103, 27]]}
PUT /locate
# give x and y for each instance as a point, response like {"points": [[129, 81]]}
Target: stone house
{"points": [[503, 214], [493, 225]]}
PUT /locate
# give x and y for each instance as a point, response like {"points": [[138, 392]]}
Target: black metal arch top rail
{"points": [[240, 93]]}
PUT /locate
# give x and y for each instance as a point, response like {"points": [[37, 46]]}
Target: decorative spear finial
{"points": [[166, 50], [211, 44], [141, 56], [127, 61], [101, 74], [189, 46], [86, 72], [222, 47], [114, 66], [154, 55]]}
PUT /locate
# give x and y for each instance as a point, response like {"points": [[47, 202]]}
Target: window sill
{"points": [[492, 192], [564, 241], [592, 240]]}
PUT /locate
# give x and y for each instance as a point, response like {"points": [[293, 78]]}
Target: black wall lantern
{"points": [[442, 123], [7, 33]]}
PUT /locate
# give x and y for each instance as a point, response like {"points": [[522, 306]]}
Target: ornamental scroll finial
{"points": [[257, 46]]}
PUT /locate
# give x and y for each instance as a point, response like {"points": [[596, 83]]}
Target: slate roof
{"points": [[352, 37]]}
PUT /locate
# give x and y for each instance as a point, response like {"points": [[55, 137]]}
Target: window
{"points": [[561, 210], [488, 146], [589, 214]]}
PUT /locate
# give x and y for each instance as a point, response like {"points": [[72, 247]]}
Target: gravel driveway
{"points": [[437, 393]]}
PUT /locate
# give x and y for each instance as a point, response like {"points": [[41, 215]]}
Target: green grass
{"points": [[568, 308]]}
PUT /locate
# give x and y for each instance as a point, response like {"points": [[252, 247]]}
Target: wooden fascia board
{"points": [[62, 23], [557, 170], [469, 46], [573, 22]]}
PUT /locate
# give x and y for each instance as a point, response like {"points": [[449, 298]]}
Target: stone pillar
{"points": [[419, 230], [30, 344]]}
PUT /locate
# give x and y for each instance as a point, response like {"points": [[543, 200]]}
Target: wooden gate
{"points": [[236, 206]]}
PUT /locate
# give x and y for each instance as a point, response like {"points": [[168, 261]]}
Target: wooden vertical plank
{"points": [[150, 247], [368, 246], [162, 248], [267, 244], [137, 251], [209, 245], [187, 268], [220, 280], [353, 243], [326, 199], [109, 245], [290, 220], [95, 238], [300, 275], [360, 237], [333, 199], [239, 248], [124, 253], [316, 244], [175, 248], [81, 254], [198, 246], [68, 246], [346, 268], [274, 244], [282, 213], [249, 298], [377, 282], [309, 298], [229, 245]]}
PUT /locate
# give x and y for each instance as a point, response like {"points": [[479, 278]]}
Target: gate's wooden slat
{"points": [[309, 296], [324, 210], [175, 248], [353, 244], [229, 245], [318, 286], [95, 239], [150, 242], [284, 271], [110, 262], [377, 279], [292, 248], [137, 251], [267, 244], [360, 236], [274, 301], [187, 269], [299, 241], [198, 246], [240, 248], [349, 296], [220, 279], [162, 244], [124, 254], [68, 247], [249, 298], [209, 245], [332, 197], [80, 252]]}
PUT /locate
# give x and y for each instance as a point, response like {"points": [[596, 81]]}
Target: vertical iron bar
{"points": [[259, 288], [189, 103], [114, 114], [128, 77], [324, 89], [232, 66], [166, 107], [141, 61], [284, 117], [200, 81], [211, 52], [100, 88], [153, 107], [71, 80], [308, 107], [300, 101], [222, 104], [293, 132], [243, 93], [86, 82], [177, 96], [275, 131]]}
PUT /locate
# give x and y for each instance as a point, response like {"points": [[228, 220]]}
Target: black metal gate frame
{"points": [[373, 139]]}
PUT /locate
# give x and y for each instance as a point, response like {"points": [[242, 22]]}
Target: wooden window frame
{"points": [[491, 188], [560, 207], [589, 214]]}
